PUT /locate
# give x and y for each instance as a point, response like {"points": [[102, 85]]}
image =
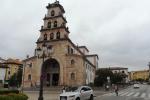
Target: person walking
{"points": [[64, 89], [116, 89]]}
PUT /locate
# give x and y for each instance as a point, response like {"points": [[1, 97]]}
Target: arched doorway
{"points": [[51, 72]]}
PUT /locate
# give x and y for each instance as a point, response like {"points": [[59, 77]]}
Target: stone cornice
{"points": [[56, 28], [53, 17], [92, 55], [55, 40]]}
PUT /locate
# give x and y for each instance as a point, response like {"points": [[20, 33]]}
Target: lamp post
{"points": [[23, 77], [149, 70], [44, 52]]}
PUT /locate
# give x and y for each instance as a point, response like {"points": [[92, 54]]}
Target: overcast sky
{"points": [[117, 30]]}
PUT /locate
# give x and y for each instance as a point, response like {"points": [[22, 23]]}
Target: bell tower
{"points": [[54, 27], [57, 60]]}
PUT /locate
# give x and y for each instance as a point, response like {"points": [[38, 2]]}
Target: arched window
{"points": [[72, 62], [49, 25], [72, 76], [29, 77], [55, 23], [52, 13], [58, 35], [52, 36], [45, 36]]}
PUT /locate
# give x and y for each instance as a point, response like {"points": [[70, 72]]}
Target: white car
{"points": [[136, 86], [77, 93]]}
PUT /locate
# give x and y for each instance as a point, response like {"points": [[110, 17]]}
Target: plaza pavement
{"points": [[54, 93]]}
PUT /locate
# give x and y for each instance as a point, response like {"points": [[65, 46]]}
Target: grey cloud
{"points": [[115, 29]]}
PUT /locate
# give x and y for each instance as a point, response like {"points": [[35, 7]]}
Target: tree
{"points": [[101, 76], [13, 80], [116, 78], [16, 79], [19, 76]]}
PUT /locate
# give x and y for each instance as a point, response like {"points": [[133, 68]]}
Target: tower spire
{"points": [[56, 1]]}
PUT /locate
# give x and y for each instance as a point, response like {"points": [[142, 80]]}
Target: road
{"points": [[143, 93]]}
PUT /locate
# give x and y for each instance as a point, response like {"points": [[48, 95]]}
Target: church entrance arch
{"points": [[51, 72]]}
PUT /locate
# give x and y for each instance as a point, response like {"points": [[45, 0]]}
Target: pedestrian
{"points": [[64, 89], [116, 89], [107, 87]]}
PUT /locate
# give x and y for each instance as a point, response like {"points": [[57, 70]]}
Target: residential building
{"points": [[3, 69], [13, 66], [141, 74], [2, 60]]}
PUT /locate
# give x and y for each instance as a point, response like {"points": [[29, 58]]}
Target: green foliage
{"points": [[140, 80], [16, 79], [102, 74], [147, 80], [13, 97], [116, 78], [2, 92], [19, 76], [13, 80]]}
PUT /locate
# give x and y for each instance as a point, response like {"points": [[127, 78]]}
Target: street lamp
{"points": [[149, 70], [44, 52], [149, 65]]}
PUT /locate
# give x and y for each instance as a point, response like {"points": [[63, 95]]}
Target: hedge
{"points": [[13, 97], [8, 92]]}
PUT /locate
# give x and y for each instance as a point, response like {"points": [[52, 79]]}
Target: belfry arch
{"points": [[51, 72]]}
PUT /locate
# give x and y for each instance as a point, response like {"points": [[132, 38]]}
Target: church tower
{"points": [[64, 63], [54, 27]]}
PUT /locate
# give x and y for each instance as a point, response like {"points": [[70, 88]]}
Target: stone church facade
{"points": [[64, 63]]}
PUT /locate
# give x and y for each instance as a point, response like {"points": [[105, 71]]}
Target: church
{"points": [[56, 58]]}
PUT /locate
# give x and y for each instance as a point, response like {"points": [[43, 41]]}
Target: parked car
{"points": [[144, 83], [77, 93], [136, 85]]}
